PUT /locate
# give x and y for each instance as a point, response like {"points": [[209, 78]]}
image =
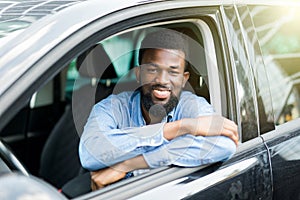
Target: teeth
{"points": [[161, 93], [163, 89]]}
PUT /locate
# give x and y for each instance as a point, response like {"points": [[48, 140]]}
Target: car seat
{"points": [[60, 160]]}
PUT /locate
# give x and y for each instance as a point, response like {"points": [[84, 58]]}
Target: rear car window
{"points": [[278, 33]]}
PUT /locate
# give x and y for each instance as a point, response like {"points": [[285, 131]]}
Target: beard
{"points": [[158, 110]]}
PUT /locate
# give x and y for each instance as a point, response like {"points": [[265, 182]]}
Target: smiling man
{"points": [[158, 124], [162, 77]]}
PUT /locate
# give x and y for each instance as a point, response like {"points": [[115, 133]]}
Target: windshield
{"points": [[18, 14]]}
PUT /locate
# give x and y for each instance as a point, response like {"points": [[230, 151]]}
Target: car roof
{"points": [[16, 15], [40, 21], [43, 23]]}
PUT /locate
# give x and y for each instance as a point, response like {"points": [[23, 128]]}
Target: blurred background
{"points": [[278, 31]]}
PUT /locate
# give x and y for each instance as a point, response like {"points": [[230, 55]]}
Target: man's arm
{"points": [[202, 126], [104, 177], [104, 142], [188, 151], [109, 147]]}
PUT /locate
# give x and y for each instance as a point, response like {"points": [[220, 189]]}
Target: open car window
{"points": [[122, 51], [122, 54]]}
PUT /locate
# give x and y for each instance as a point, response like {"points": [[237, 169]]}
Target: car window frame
{"points": [[215, 95], [36, 78], [238, 43], [129, 186]]}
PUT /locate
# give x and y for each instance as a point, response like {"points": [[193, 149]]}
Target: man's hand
{"points": [[202, 126], [104, 177], [213, 125]]}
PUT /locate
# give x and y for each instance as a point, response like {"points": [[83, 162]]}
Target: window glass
{"points": [[265, 111], [122, 50], [118, 48], [72, 75], [108, 67], [279, 36], [244, 84]]}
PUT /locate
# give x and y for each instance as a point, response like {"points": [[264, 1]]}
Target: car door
{"points": [[247, 175], [279, 37]]}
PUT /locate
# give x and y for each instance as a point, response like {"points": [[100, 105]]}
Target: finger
{"points": [[230, 123], [231, 135], [234, 129], [97, 178], [231, 126], [93, 185], [96, 186], [94, 175]]}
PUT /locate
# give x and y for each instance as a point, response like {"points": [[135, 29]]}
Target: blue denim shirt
{"points": [[116, 131]]}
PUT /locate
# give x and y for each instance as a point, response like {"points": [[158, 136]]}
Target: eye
{"points": [[151, 69], [173, 72]]}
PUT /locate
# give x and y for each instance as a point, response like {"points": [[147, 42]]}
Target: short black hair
{"points": [[164, 39]]}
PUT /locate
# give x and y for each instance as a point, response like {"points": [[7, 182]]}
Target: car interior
{"points": [[49, 126]]}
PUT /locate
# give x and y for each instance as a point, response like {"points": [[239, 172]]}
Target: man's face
{"points": [[162, 76]]}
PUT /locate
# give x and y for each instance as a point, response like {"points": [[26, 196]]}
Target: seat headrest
{"points": [[95, 63]]}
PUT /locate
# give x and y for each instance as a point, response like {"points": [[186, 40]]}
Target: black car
{"points": [[58, 58]]}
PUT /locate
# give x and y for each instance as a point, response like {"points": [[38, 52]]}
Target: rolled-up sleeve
{"points": [[104, 144], [191, 151]]}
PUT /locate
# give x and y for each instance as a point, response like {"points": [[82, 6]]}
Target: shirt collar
{"points": [[136, 111]]}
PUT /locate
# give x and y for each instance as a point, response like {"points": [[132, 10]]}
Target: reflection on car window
{"points": [[278, 34], [246, 94]]}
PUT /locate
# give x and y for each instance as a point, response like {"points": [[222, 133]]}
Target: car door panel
{"points": [[245, 176], [285, 159]]}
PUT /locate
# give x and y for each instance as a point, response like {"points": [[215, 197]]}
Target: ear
{"points": [[186, 76], [137, 71]]}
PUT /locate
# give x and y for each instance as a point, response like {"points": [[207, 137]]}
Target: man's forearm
{"points": [[180, 127], [106, 176], [212, 125], [131, 164], [174, 129], [115, 143]]}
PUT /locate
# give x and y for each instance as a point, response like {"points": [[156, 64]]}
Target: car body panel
{"points": [[283, 144]]}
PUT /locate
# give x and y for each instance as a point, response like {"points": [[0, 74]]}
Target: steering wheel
{"points": [[9, 162]]}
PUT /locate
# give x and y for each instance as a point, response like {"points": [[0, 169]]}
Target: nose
{"points": [[162, 77]]}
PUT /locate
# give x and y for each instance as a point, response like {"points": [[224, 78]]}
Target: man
{"points": [[158, 124]]}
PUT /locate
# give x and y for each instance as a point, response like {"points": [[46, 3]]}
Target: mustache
{"points": [[159, 86]]}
